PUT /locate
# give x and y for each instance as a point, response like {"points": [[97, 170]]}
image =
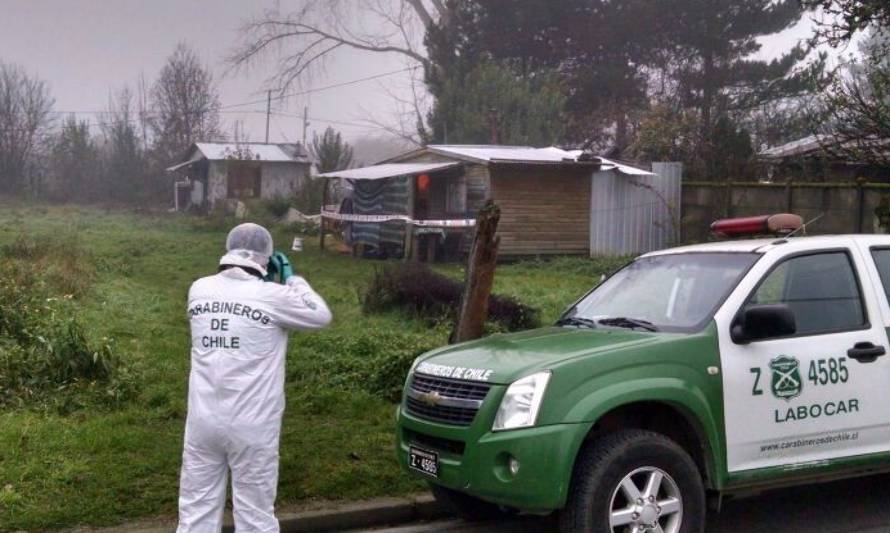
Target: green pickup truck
{"points": [[691, 374]]}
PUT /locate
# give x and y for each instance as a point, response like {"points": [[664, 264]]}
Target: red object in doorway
{"points": [[423, 183]]}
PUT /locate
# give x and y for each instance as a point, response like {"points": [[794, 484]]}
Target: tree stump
{"points": [[481, 265]]}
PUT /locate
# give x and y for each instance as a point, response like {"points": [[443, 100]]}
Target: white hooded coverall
{"points": [[239, 333]]}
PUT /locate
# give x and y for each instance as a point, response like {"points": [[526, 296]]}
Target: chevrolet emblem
{"points": [[431, 398]]}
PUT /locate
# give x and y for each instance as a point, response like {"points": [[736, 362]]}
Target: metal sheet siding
{"points": [[630, 215]]}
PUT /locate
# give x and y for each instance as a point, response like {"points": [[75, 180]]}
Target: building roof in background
{"points": [[821, 144], [388, 170], [218, 151], [805, 146]]}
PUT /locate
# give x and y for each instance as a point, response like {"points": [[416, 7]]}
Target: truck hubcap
{"points": [[646, 501]]}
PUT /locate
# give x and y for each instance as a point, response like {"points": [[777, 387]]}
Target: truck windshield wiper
{"points": [[625, 322], [576, 321]]}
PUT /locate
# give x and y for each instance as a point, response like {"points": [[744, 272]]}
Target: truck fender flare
{"points": [[680, 395]]}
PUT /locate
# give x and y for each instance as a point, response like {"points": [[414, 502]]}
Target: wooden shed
{"points": [[216, 172], [544, 195]]}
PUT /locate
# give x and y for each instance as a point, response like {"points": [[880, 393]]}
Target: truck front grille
{"points": [[449, 401]]}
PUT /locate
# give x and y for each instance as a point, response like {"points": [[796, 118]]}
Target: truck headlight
{"points": [[519, 408]]}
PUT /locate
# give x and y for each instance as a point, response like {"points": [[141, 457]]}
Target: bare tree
{"points": [[125, 174], [25, 111], [184, 105], [308, 36], [409, 121]]}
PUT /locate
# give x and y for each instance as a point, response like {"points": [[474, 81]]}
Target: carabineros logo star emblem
{"points": [[786, 382]]}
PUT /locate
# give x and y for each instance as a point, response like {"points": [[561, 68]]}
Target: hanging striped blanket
{"points": [[380, 197]]}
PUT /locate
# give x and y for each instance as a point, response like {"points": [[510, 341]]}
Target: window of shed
{"points": [[456, 195]]}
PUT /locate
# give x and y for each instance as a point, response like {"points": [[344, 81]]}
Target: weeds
{"points": [[46, 359], [374, 361], [59, 259]]}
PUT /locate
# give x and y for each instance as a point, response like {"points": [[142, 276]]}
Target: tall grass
{"points": [[46, 357]]}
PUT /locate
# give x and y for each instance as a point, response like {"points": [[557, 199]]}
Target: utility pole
{"points": [[305, 123], [268, 113], [143, 107]]}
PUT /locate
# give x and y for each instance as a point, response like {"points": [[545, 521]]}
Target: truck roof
{"points": [[764, 245]]}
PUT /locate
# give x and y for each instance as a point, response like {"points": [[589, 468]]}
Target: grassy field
{"points": [[93, 464]]}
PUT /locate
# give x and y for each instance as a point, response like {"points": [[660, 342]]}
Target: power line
{"points": [[227, 109], [325, 88]]}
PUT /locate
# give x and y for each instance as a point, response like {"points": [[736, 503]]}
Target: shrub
{"points": [[426, 293], [278, 206], [45, 354]]}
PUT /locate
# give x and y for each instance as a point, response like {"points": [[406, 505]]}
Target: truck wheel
{"points": [[465, 506], [634, 481]]}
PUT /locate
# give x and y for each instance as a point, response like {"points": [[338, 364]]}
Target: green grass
{"points": [[98, 466]]}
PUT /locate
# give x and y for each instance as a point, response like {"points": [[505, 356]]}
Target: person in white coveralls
{"points": [[239, 326]]}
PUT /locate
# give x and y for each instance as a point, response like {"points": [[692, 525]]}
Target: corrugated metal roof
{"points": [[815, 144], [218, 151], [526, 154], [387, 170], [807, 145], [489, 153], [260, 152]]}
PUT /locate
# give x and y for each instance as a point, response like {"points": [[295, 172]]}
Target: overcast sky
{"points": [[86, 48]]}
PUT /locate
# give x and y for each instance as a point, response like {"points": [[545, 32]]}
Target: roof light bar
{"points": [[779, 224]]}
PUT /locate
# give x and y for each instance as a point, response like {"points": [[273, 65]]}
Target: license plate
{"points": [[423, 461]]}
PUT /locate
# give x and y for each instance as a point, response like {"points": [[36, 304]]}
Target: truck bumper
{"points": [[477, 462]]}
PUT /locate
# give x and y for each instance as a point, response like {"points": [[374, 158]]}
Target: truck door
{"points": [[821, 393]]}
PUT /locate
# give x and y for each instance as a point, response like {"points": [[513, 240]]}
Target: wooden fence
{"points": [[845, 207]]}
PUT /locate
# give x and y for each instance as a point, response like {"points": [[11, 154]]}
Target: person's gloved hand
{"points": [[279, 268]]}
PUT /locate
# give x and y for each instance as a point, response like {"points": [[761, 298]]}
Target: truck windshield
{"points": [[673, 292]]}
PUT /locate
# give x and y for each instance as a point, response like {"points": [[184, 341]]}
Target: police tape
{"points": [[454, 223]]}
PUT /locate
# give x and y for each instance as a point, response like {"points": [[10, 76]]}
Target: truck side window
{"points": [[882, 263], [820, 289]]}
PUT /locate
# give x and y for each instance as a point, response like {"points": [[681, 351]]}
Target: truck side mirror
{"points": [[762, 321]]}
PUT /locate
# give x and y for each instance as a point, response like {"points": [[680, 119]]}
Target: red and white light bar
{"points": [[779, 224]]}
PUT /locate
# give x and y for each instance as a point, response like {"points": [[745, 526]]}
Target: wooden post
{"points": [[324, 202], [860, 204], [481, 265], [789, 198], [728, 199]]}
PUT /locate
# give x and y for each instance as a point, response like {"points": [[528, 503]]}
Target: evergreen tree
{"points": [[716, 40], [330, 152], [596, 47], [844, 18], [493, 104]]}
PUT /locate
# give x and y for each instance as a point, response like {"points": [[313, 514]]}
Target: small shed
{"points": [[214, 172], [424, 202]]}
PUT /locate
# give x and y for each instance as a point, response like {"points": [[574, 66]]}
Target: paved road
{"points": [[861, 506]]}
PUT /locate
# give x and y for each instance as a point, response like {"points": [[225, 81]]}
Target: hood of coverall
{"points": [[248, 245]]}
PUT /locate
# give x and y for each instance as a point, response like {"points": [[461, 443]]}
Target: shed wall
{"points": [[544, 210], [282, 179], [217, 189], [635, 214], [276, 179]]}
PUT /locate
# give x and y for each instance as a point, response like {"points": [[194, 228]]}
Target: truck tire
{"points": [[634, 478], [465, 506]]}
